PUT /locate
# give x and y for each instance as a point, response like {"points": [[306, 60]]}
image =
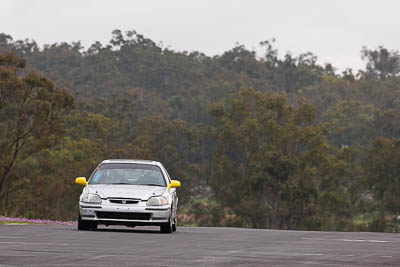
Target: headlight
{"points": [[157, 201], [91, 198]]}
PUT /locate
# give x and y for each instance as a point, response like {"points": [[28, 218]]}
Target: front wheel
{"points": [[86, 225], [166, 228]]}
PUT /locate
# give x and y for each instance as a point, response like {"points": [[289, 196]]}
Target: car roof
{"points": [[139, 161]]}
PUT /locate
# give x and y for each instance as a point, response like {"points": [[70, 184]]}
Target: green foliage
{"points": [[31, 111], [275, 159], [354, 123], [382, 181], [381, 62], [307, 148], [201, 211]]}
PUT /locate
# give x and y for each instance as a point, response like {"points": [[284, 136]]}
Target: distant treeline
{"points": [[257, 141]]}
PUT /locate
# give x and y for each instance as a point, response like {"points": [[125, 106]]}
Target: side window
{"points": [[96, 177], [94, 173]]}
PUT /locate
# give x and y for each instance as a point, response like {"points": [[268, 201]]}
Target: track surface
{"points": [[47, 245]]}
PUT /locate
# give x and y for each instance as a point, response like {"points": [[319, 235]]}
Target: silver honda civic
{"points": [[128, 192]]}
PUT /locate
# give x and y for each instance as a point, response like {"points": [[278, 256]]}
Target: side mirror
{"points": [[174, 184], [81, 181]]}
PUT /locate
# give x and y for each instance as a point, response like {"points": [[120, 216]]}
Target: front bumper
{"points": [[124, 214]]}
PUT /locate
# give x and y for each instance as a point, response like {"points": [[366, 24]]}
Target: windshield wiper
{"points": [[120, 183], [152, 185]]}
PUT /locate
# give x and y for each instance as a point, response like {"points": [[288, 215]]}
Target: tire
{"points": [[83, 225], [86, 225], [166, 228], [175, 225]]}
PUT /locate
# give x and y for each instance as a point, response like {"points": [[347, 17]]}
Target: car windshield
{"points": [[128, 173]]}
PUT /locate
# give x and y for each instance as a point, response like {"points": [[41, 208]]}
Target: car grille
{"points": [[124, 200], [123, 215]]}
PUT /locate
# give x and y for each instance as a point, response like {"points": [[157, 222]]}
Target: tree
{"points": [[381, 62], [382, 179], [272, 163], [257, 148], [353, 121], [30, 115]]}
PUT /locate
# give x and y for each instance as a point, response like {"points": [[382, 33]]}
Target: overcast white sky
{"points": [[334, 30]]}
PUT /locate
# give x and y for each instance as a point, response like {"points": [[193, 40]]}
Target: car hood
{"points": [[126, 191]]}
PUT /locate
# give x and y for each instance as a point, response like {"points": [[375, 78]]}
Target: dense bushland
{"points": [[258, 141]]}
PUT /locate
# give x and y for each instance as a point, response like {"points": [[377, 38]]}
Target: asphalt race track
{"points": [[50, 245]]}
